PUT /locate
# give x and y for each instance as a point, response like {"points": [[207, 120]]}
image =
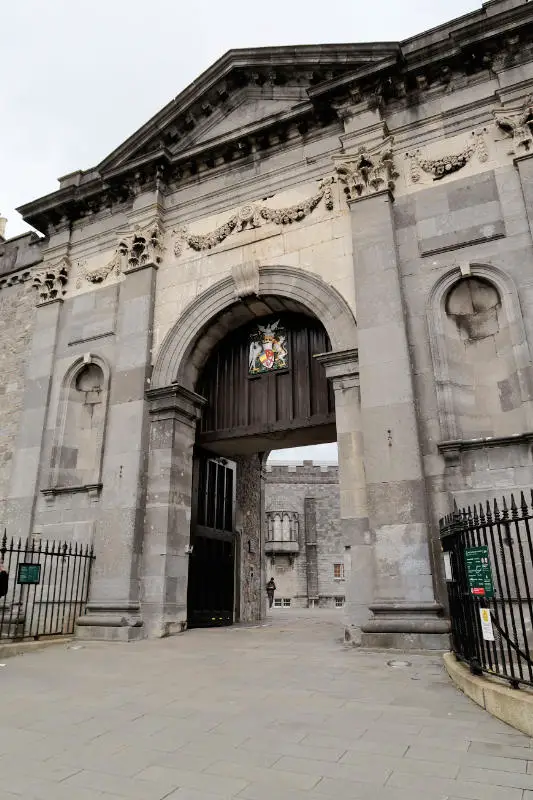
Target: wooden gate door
{"points": [[211, 586]]}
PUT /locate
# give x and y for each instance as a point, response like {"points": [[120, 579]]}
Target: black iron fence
{"points": [[46, 588], [488, 561]]}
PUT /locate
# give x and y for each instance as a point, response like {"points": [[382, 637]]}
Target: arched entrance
{"points": [[263, 389], [204, 396]]}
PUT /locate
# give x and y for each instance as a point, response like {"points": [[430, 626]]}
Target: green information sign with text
{"points": [[479, 571], [29, 573]]}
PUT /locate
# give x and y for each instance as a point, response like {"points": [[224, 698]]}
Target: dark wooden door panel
{"points": [[296, 395]]}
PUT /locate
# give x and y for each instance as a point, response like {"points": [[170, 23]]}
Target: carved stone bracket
{"points": [[51, 282], [445, 165], [253, 216], [368, 170], [142, 246], [517, 124]]}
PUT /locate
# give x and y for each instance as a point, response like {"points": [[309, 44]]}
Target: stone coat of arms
{"points": [[268, 348]]}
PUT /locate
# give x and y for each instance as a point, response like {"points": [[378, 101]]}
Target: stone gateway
{"points": [[308, 244]]}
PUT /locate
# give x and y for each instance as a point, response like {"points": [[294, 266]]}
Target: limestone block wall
{"points": [[499, 407], [16, 318], [18, 258], [248, 523], [286, 489], [66, 510]]}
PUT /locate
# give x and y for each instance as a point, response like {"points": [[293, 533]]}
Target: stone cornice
{"points": [[175, 402], [386, 75], [452, 449], [342, 367]]}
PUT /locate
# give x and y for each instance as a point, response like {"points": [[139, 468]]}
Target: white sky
{"points": [[80, 76], [317, 452]]}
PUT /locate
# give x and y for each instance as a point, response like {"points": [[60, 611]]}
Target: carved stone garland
{"points": [[51, 282], [143, 246], [253, 216], [517, 124], [446, 165], [368, 170]]}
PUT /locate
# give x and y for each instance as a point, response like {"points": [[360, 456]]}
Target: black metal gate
{"points": [[488, 552], [211, 585], [46, 588]]}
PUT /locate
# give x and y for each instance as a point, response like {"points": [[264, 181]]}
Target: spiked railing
{"points": [[505, 530], [47, 586]]}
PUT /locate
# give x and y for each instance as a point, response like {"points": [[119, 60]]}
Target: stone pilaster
{"points": [[342, 369], [311, 554], [404, 607], [113, 611], [174, 411], [27, 456], [524, 165]]}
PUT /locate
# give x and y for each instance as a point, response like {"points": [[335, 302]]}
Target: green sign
{"points": [[29, 573], [479, 571]]}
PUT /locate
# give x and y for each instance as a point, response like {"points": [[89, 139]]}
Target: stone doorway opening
{"points": [[263, 389], [305, 550], [249, 367]]}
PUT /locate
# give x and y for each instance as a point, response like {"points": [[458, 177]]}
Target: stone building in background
{"points": [[303, 542], [308, 243]]}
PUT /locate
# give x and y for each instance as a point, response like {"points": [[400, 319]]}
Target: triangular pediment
{"points": [[248, 109], [241, 91]]}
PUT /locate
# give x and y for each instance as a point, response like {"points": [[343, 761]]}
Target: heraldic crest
{"points": [[268, 348]]}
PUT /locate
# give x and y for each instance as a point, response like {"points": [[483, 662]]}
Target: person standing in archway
{"points": [[271, 588]]}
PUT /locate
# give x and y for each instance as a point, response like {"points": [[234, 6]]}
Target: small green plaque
{"points": [[479, 571], [29, 573]]}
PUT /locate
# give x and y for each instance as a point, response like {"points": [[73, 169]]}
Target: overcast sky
{"points": [[80, 76]]}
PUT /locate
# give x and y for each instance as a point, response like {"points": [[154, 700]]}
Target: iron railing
{"points": [[47, 587], [488, 553]]}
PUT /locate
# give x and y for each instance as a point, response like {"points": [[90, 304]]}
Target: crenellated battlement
{"points": [[306, 472]]}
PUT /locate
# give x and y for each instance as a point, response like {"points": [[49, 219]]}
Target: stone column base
{"points": [[110, 622], [406, 626]]}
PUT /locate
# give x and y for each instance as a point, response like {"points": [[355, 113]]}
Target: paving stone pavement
{"points": [[283, 711]]}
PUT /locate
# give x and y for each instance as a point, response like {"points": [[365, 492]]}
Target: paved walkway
{"points": [[278, 712]]}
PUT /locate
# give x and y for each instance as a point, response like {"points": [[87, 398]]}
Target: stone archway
{"points": [[207, 319], [175, 408]]}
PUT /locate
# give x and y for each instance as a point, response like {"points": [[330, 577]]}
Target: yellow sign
{"points": [[486, 625]]}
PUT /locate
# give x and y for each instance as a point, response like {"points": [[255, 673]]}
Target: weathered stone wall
{"points": [[248, 523], [474, 393], [449, 193], [286, 489], [17, 305], [16, 321]]}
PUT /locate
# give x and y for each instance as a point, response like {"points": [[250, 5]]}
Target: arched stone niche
{"points": [[481, 358], [77, 450]]}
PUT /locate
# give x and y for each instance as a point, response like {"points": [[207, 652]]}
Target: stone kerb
{"points": [[515, 707]]}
